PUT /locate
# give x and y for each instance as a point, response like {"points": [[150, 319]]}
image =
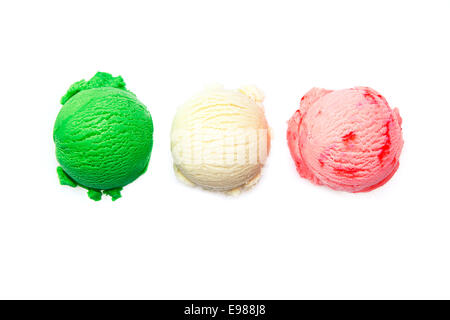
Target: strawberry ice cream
{"points": [[348, 139]]}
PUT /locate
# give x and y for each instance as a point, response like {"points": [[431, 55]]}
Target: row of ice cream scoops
{"points": [[348, 140]]}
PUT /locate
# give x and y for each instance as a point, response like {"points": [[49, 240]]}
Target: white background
{"points": [[286, 238]]}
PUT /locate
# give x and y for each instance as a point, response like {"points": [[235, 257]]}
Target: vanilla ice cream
{"points": [[220, 139]]}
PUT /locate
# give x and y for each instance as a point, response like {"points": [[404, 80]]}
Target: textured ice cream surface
{"points": [[348, 140], [220, 139], [103, 136]]}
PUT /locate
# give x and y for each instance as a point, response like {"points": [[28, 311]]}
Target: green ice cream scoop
{"points": [[103, 136]]}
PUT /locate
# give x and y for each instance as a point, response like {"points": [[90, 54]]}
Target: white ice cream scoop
{"points": [[220, 139]]}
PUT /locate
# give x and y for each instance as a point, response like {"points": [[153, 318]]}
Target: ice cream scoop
{"points": [[348, 140], [220, 139], [103, 136]]}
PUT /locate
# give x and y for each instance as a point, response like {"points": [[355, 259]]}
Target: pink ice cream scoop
{"points": [[348, 139]]}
